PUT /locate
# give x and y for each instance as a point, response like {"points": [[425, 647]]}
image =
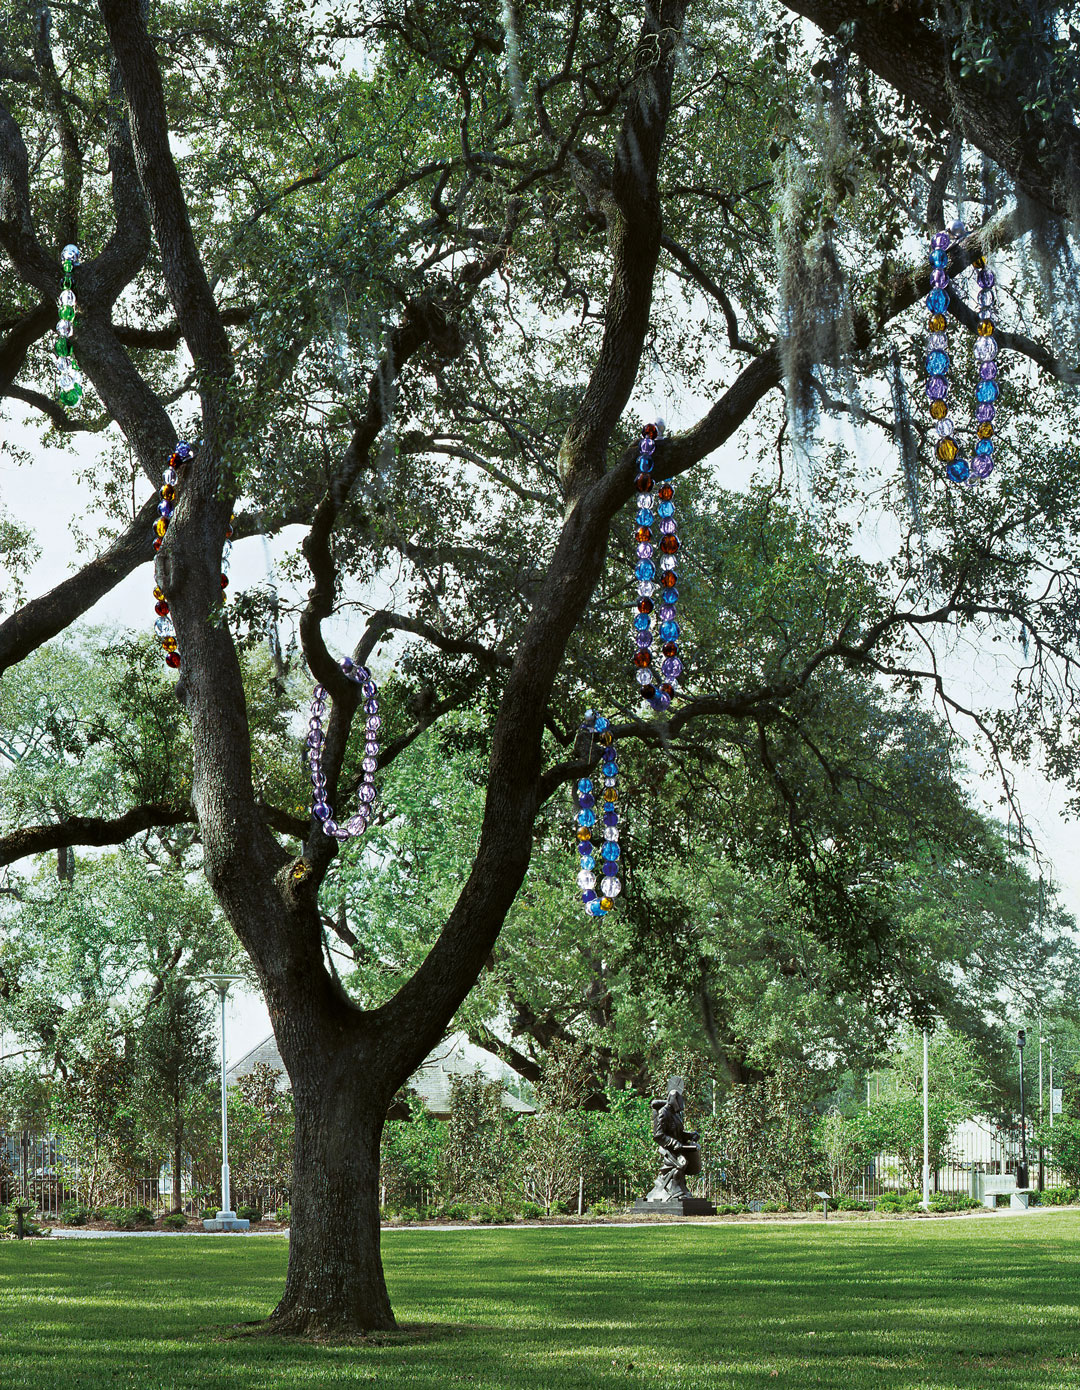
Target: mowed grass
{"points": [[893, 1305]]}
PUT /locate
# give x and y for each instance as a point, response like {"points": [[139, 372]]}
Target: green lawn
{"points": [[891, 1305]]}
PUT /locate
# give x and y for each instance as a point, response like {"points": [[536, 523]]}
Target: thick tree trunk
{"points": [[178, 1152], [335, 1281]]}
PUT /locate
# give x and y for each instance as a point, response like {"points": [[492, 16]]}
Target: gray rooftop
{"points": [[431, 1080]]}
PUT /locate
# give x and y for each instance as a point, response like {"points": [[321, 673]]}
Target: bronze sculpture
{"points": [[680, 1158]]}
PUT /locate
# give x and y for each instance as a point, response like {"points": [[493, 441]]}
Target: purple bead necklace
{"points": [[320, 808], [981, 464]]}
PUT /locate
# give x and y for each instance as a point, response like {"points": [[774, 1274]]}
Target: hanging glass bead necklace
{"points": [[69, 377], [163, 623], [321, 808], [598, 835], [981, 464], [656, 531]]}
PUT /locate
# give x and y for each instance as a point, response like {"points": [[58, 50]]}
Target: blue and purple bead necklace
{"points": [[981, 464], [598, 825], [320, 808]]}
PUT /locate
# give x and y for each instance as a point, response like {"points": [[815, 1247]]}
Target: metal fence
{"points": [[34, 1169]]}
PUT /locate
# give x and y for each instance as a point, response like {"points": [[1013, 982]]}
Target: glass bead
{"points": [[646, 590], [586, 818], [610, 816], [666, 492], [985, 279], [643, 534], [958, 470], [161, 608], [610, 794], [67, 378], [642, 658], [611, 833], [157, 544], [67, 298], [671, 668], [606, 904], [72, 396], [169, 492], [985, 411], [224, 581], [586, 879], [67, 312], [374, 723], [368, 764], [939, 256], [670, 545], [978, 262], [939, 241], [987, 370], [985, 328], [645, 606], [666, 509], [644, 551], [668, 527], [646, 570], [183, 450], [169, 643], [647, 446], [595, 909], [610, 886], [982, 467], [957, 230], [647, 501], [166, 509], [648, 691], [369, 690], [939, 279], [371, 748], [62, 347], [367, 793], [584, 834], [667, 565], [161, 526], [937, 323], [584, 786], [643, 639], [936, 388], [984, 447], [610, 851], [651, 431], [330, 827], [645, 465], [938, 410], [986, 299], [588, 859], [601, 724], [643, 677], [605, 739], [71, 254], [314, 740], [987, 391], [643, 482], [667, 613], [945, 428], [64, 329], [670, 649], [589, 895], [357, 825], [643, 518], [661, 701], [669, 631], [173, 660], [585, 801], [169, 477], [947, 450], [937, 301], [371, 706], [937, 364], [642, 622], [937, 342], [984, 431]]}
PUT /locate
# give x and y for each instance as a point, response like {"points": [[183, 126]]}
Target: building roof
{"points": [[454, 1056]]}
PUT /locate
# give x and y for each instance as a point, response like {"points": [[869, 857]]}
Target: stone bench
{"points": [[988, 1187]]}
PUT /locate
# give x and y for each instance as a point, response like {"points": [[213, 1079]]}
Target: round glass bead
{"points": [[64, 329], [985, 349], [586, 879], [71, 396], [601, 724], [173, 660], [610, 816], [643, 533], [643, 518], [939, 256], [669, 631], [595, 909], [647, 446], [357, 825], [642, 622], [161, 526], [940, 241], [643, 639], [645, 465], [67, 298], [666, 612], [606, 904], [670, 545], [987, 391], [67, 312], [643, 677], [371, 748], [937, 342], [667, 565], [984, 431], [937, 323], [646, 570], [668, 526], [937, 388], [646, 590], [938, 410], [939, 279], [183, 450], [369, 764], [987, 370], [586, 818], [671, 668], [374, 723], [644, 551], [666, 509], [611, 833], [958, 230], [610, 851], [645, 606], [984, 447], [937, 301], [661, 701], [985, 411], [367, 793], [937, 363], [666, 492], [166, 509], [610, 886], [62, 347], [985, 328], [648, 691], [958, 470], [643, 482], [585, 801], [947, 450], [646, 501], [982, 467], [985, 279], [71, 253], [945, 428], [986, 299]]}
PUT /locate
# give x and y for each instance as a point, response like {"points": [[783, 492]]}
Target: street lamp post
{"points": [[1022, 1166], [226, 1219]]}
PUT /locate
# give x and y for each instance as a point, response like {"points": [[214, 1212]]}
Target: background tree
{"points": [[416, 326]]}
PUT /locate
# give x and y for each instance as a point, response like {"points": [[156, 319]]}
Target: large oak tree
{"points": [[412, 263]]}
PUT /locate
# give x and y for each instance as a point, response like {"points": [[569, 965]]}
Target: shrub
{"points": [[457, 1211], [897, 1201], [730, 1209], [851, 1204], [407, 1214], [74, 1214], [123, 1218], [601, 1207], [769, 1206], [952, 1201], [249, 1213], [283, 1215], [531, 1210], [175, 1221], [1058, 1196], [142, 1216]]}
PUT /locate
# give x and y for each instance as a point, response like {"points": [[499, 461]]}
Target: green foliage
{"points": [[74, 1214], [1062, 1140], [412, 1156], [897, 1201], [952, 1201], [175, 1220], [847, 1145], [261, 1134], [1061, 1196], [762, 1139], [250, 1213], [481, 1143], [283, 1215]]}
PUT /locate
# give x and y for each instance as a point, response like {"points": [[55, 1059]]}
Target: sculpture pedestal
{"points": [[685, 1206]]}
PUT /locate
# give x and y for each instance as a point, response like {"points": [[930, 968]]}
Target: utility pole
{"points": [[925, 1120]]}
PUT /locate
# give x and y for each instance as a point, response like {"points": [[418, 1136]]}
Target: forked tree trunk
{"points": [[335, 1281]]}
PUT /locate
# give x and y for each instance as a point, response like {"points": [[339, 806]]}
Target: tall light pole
{"points": [[925, 1120], [226, 1219], [1042, 1118], [1022, 1167]]}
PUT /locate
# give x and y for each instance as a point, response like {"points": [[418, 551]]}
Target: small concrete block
{"points": [[1018, 1200]]}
